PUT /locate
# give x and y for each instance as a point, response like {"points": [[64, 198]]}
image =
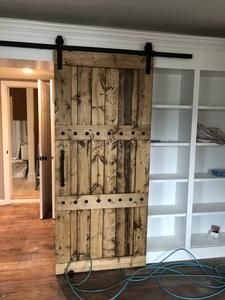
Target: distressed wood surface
{"points": [[102, 132], [104, 60], [103, 112], [103, 264], [84, 159], [63, 242], [101, 201], [111, 118], [97, 160]]}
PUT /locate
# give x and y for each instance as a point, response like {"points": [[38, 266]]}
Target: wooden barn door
{"points": [[103, 109]]}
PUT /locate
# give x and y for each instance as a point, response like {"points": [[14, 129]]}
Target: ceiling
{"points": [[197, 17], [14, 69]]}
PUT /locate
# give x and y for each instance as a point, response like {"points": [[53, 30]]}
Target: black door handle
{"points": [[62, 158]]}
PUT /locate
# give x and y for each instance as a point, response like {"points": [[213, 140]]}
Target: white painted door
{"points": [[45, 156]]}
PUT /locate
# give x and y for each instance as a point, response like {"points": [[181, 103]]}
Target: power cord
{"points": [[158, 272]]}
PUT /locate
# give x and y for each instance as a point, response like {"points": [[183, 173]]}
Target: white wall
{"points": [[208, 53]]}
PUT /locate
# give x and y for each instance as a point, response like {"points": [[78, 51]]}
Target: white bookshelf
{"points": [[185, 198]]}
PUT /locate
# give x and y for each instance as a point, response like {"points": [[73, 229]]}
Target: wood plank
{"points": [[96, 233], [110, 167], [83, 236], [110, 188], [104, 60], [62, 190], [140, 230], [125, 174], [97, 167], [84, 157], [73, 166], [84, 96], [103, 264], [62, 241], [97, 160], [144, 105], [142, 162], [111, 100], [109, 229], [98, 96], [134, 110], [142, 166], [102, 201], [102, 132], [73, 224], [74, 95], [125, 97], [140, 215], [63, 95], [111, 117]]}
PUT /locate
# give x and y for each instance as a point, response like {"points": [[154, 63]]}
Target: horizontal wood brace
{"points": [[102, 132], [101, 201], [104, 60], [103, 264]]}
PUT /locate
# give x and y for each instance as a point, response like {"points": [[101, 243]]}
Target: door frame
{"points": [[6, 131], [52, 116]]}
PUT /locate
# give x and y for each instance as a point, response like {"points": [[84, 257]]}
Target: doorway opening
{"points": [[27, 118], [24, 141]]}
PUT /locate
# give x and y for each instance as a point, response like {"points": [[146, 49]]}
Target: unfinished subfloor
{"points": [[27, 263]]}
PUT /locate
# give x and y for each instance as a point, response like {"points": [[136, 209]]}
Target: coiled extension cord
{"points": [[215, 275]]}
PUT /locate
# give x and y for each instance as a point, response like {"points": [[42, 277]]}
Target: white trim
{"points": [[4, 202], [19, 201], [42, 187], [52, 112], [46, 32], [19, 29], [6, 131]]}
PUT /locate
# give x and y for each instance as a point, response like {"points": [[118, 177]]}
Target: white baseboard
{"points": [[4, 202], [18, 201]]}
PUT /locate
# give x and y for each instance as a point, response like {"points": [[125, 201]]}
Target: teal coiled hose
{"points": [[159, 271]]}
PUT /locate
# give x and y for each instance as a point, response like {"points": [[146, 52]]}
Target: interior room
{"points": [[112, 158], [20, 135]]}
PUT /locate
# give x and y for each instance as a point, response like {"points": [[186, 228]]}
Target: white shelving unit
{"points": [[185, 198]]}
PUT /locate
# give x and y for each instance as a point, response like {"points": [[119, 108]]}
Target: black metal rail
{"points": [[60, 47]]}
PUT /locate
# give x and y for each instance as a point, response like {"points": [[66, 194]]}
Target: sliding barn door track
{"points": [[60, 47]]}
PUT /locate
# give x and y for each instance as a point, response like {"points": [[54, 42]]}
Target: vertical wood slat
{"points": [[84, 157], [74, 165], [62, 242], [125, 173], [111, 117], [83, 233], [142, 163], [74, 158], [73, 236], [97, 162], [63, 96], [74, 94]]}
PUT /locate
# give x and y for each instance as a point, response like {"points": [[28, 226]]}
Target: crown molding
{"points": [[45, 32]]}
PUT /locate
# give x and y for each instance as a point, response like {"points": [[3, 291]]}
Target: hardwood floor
{"points": [[22, 189], [26, 255], [27, 264]]}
